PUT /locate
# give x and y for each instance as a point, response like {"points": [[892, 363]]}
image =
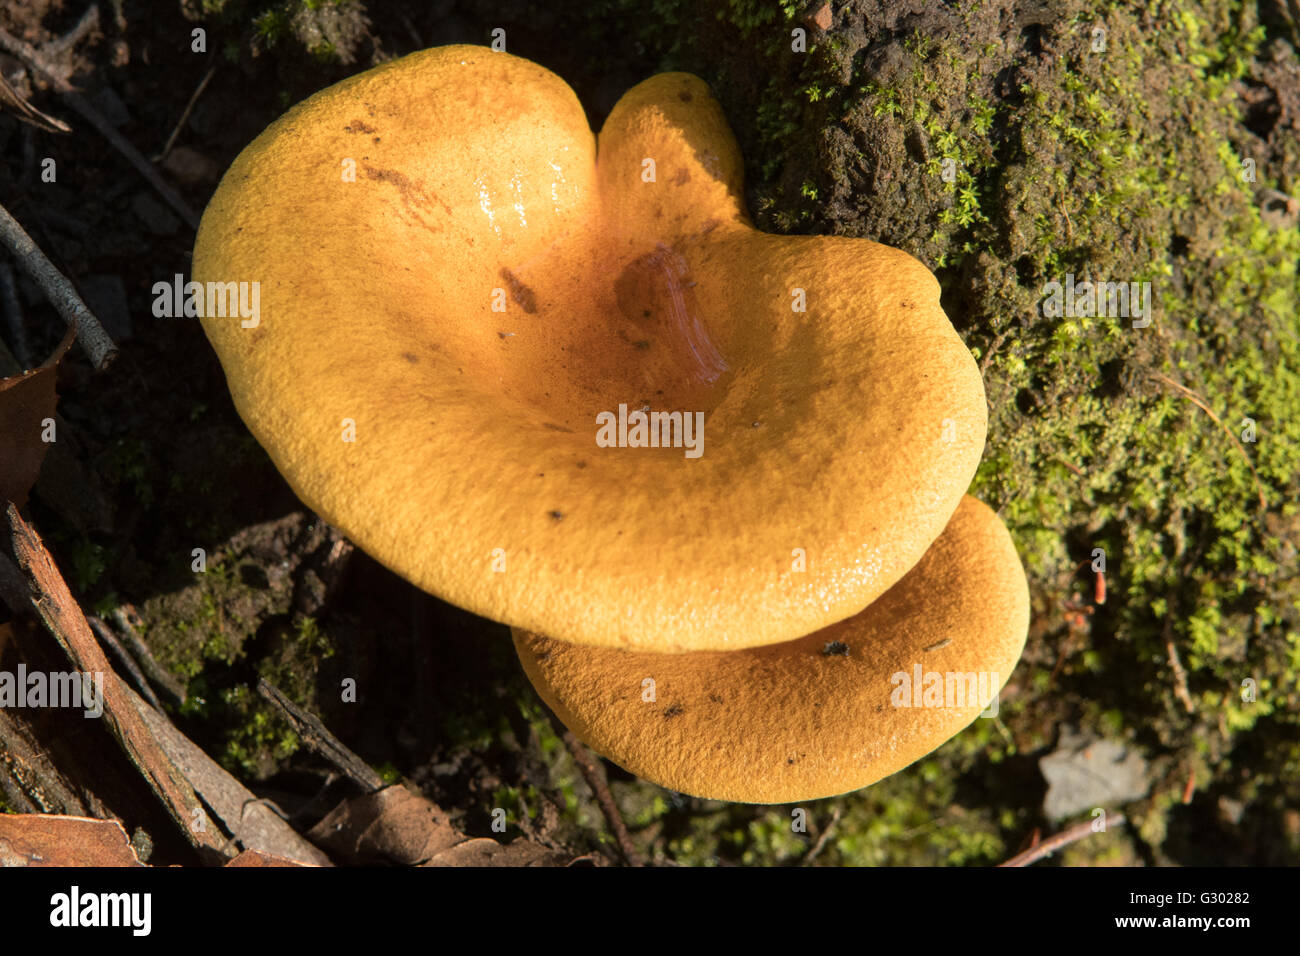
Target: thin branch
{"points": [[1060, 840], [1180, 677], [595, 777], [58, 290], [185, 114], [318, 739], [89, 21], [823, 837], [159, 675], [108, 638]]}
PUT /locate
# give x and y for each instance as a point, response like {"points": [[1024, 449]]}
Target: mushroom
{"points": [[462, 289], [822, 715]]}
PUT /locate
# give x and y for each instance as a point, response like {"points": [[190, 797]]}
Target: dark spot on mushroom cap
{"points": [[557, 515], [835, 649], [358, 126], [411, 357], [522, 295], [673, 710], [684, 96], [414, 198]]}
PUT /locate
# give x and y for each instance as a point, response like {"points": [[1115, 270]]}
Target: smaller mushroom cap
{"points": [[818, 716]]}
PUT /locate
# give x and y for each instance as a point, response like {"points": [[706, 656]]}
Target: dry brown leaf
{"points": [[27, 400], [394, 825], [38, 839]]}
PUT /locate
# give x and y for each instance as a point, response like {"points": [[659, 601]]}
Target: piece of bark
{"points": [[252, 823], [37, 839], [396, 826], [63, 617], [255, 859], [27, 764]]}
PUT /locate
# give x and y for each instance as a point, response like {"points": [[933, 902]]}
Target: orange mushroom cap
{"points": [[493, 279], [822, 715]]}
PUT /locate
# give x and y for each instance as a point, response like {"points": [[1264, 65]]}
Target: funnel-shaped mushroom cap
{"points": [[458, 299], [825, 714]]}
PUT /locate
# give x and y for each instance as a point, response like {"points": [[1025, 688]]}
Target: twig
{"points": [[89, 21], [1180, 677], [185, 114], [58, 290], [159, 675], [992, 349], [595, 777], [36, 61], [1200, 403], [318, 739], [1073, 467], [106, 636], [823, 837], [1062, 839]]}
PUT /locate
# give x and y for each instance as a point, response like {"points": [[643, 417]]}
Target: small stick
{"points": [[823, 837], [1180, 677], [156, 673], [1062, 839], [59, 291], [595, 778], [185, 114], [319, 740], [36, 61], [89, 20], [106, 636], [992, 349]]}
